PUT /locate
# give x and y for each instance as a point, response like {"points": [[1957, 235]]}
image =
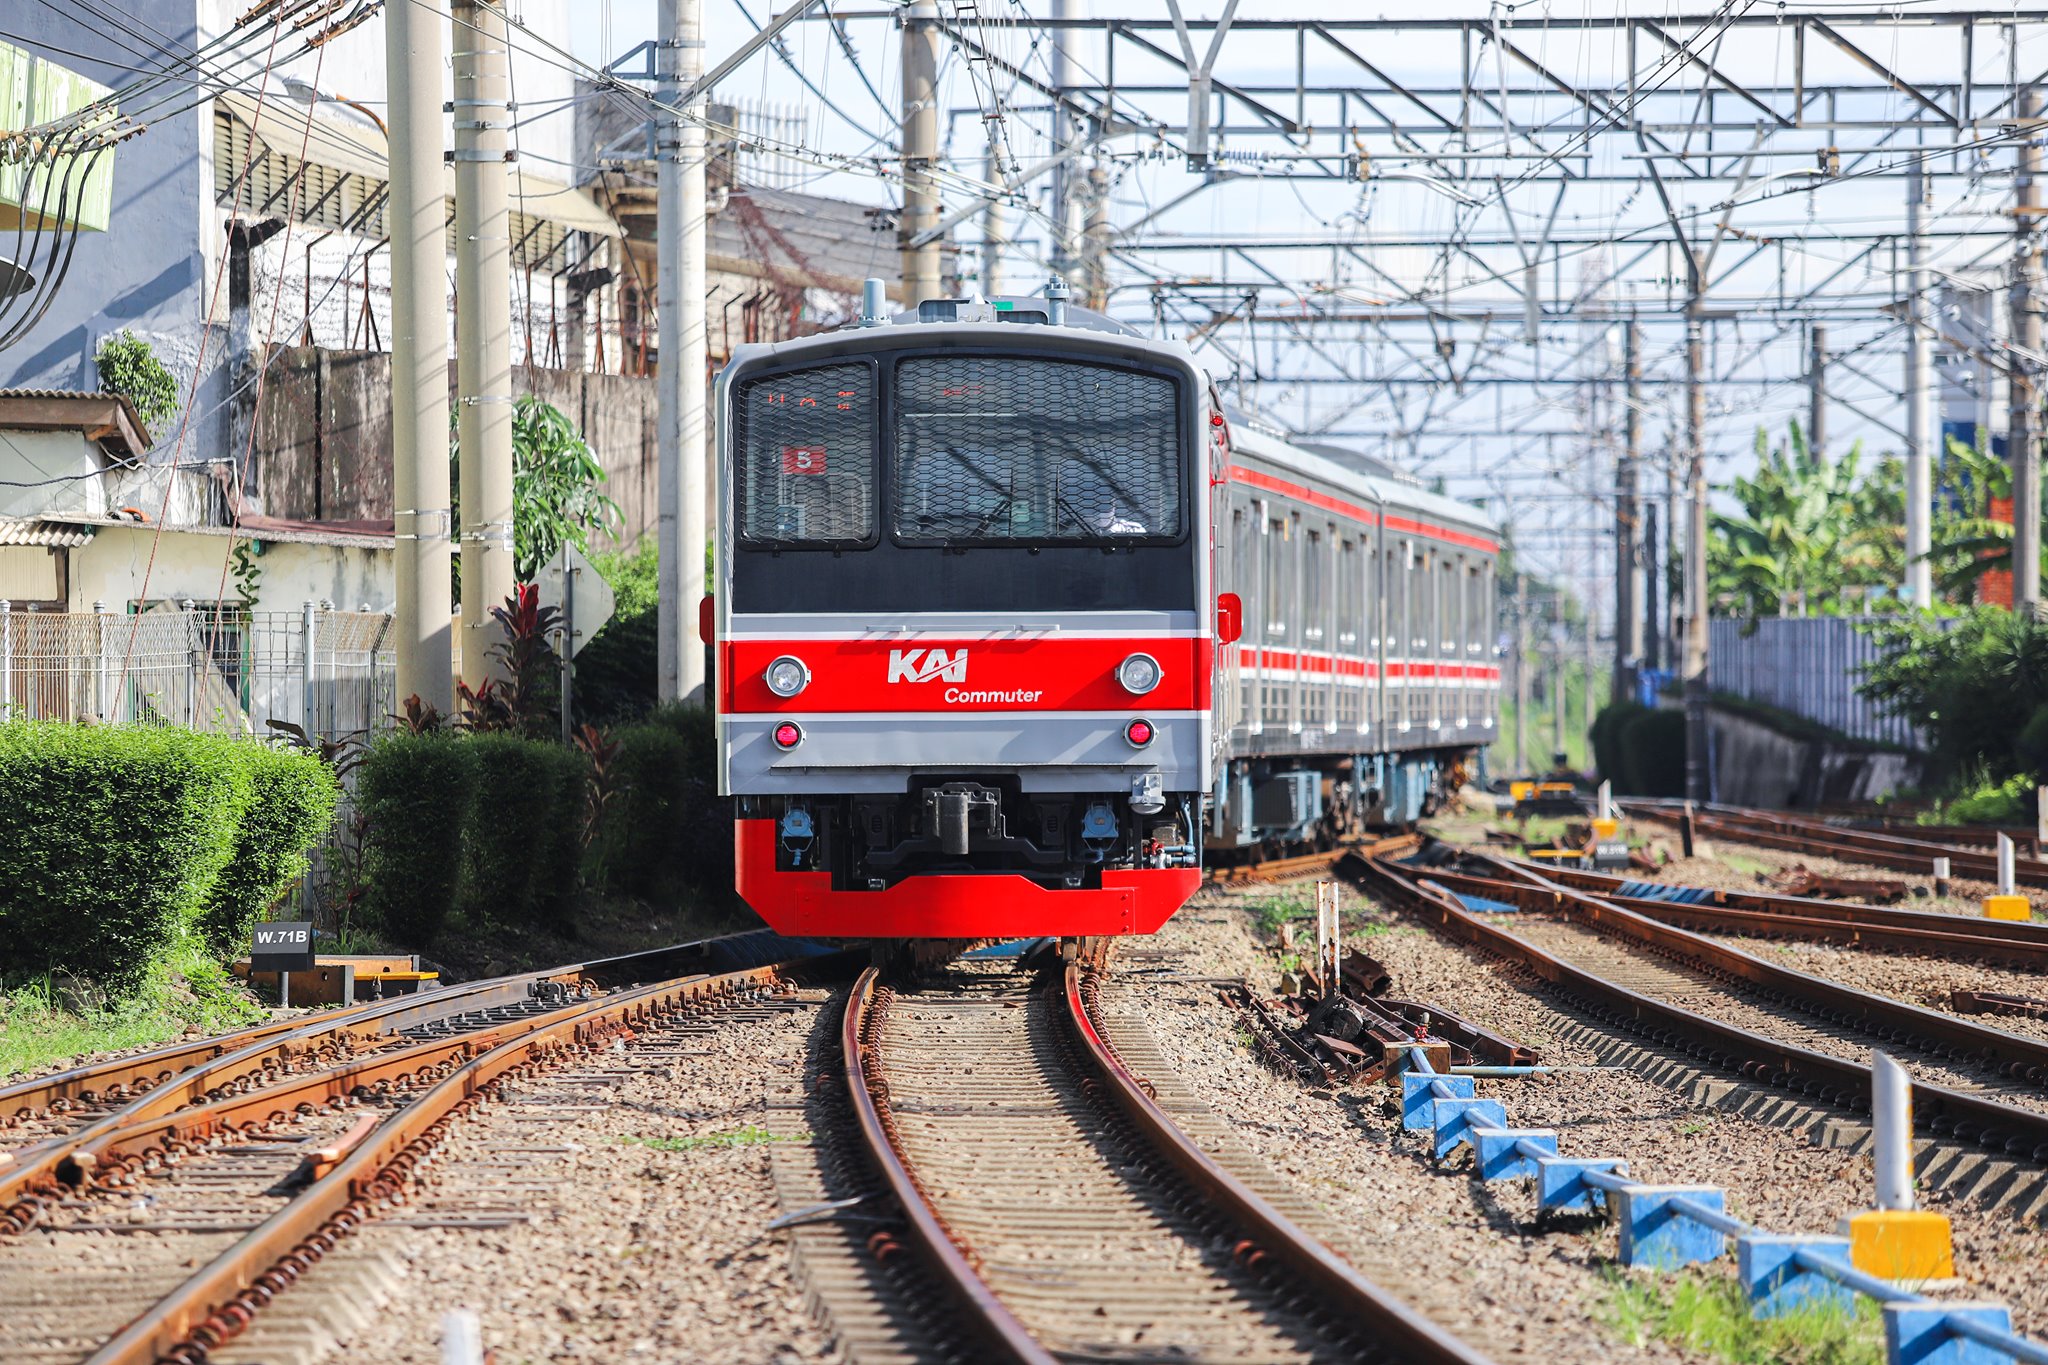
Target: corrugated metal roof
{"points": [[34, 531]]}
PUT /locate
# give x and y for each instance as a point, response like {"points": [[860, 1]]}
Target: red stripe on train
{"points": [[1359, 668], [1040, 673], [1252, 478]]}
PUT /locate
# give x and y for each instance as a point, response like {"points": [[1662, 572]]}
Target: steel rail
{"points": [[1791, 835], [43, 1164], [1937, 1109], [146, 1070], [946, 1255], [2017, 1056], [1306, 864], [1812, 907], [221, 1297], [1407, 1335], [1874, 925]]}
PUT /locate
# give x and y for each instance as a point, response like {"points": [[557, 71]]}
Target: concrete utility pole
{"points": [[2024, 423], [1922, 438], [1817, 401], [679, 308], [1698, 779], [1095, 240], [483, 325], [995, 230], [921, 264], [1674, 597], [419, 357], [1522, 688], [1065, 203], [1652, 572], [1628, 625]]}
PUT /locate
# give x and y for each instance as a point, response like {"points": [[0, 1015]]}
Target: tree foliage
{"points": [[556, 497], [129, 367], [1977, 686]]}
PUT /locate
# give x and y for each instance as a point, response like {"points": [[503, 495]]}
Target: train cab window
{"points": [[804, 457], [1008, 450]]}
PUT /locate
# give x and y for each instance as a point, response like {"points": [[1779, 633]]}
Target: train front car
{"points": [[964, 643]]}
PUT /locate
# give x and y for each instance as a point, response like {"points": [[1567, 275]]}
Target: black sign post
{"points": [[284, 947]]}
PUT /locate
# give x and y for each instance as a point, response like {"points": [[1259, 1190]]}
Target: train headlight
{"points": [[1139, 674], [787, 676], [788, 735], [1139, 733]]}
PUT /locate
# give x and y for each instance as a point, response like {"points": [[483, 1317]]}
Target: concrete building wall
{"points": [[113, 567]]}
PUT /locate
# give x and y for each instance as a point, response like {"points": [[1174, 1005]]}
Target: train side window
{"points": [[1315, 586], [1278, 543], [804, 457], [1347, 598]]}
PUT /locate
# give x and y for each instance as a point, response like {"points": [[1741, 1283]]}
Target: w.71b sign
{"points": [[282, 946]]}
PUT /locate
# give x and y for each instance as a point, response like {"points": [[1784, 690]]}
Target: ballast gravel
{"points": [[644, 1190], [1524, 1294]]}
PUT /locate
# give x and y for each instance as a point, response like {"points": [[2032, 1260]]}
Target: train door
{"points": [[1239, 575], [1456, 635], [1490, 623], [1404, 637], [1348, 676], [1312, 694]]}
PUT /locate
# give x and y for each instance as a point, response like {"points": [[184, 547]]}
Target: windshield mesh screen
{"points": [[804, 447], [999, 448]]}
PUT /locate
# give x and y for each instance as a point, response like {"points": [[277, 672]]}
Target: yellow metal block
{"points": [[1604, 829], [1902, 1244], [2007, 907], [1521, 791]]}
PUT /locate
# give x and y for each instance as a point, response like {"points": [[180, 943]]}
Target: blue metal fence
{"points": [[1809, 666]]}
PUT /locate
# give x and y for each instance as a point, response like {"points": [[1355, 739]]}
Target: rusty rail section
{"points": [[1308, 864], [1792, 834], [1857, 926], [1937, 1109], [371, 1166], [251, 1064]]}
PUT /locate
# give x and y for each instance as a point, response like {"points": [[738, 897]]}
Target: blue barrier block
{"points": [[1456, 1118], [1561, 1182], [1657, 1235], [1918, 1333], [1418, 1099], [1498, 1154], [1777, 1283]]}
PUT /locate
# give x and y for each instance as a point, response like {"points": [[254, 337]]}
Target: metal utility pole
{"points": [[483, 324], [921, 207], [2024, 423], [1921, 435], [1817, 401], [1674, 597], [1652, 570], [1065, 203], [679, 308], [1095, 241], [995, 231], [1557, 697], [1628, 625], [1698, 779], [419, 357]]}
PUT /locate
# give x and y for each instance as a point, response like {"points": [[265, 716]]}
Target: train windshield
{"points": [[804, 457], [1020, 451]]}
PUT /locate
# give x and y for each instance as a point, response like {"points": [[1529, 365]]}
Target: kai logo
{"points": [[927, 665]]}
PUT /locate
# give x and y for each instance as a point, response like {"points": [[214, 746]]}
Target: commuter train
{"points": [[1014, 626]]}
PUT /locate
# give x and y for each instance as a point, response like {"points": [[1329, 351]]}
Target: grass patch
{"points": [[48, 1019], [1708, 1314], [1275, 911], [1735, 862], [753, 1135]]}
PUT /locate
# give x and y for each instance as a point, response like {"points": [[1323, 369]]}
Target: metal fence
{"points": [[204, 667], [1809, 666]]}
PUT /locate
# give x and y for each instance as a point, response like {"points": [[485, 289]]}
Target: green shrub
{"points": [[111, 838], [293, 800], [1651, 751], [617, 671], [521, 844], [415, 793], [1972, 685], [1993, 803], [666, 829]]}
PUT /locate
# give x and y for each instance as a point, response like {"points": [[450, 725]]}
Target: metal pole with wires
{"points": [[921, 206], [1698, 777], [2024, 419], [1922, 435]]}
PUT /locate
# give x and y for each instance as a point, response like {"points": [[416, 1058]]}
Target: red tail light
{"points": [[788, 735], [1139, 733]]}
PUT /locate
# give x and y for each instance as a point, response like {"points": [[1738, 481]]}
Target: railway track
{"points": [[1821, 921], [1666, 983], [1817, 838], [1068, 1214], [1308, 864], [242, 1192]]}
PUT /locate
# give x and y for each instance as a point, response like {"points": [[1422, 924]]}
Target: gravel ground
{"points": [[628, 1251], [1913, 977], [1530, 1296]]}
